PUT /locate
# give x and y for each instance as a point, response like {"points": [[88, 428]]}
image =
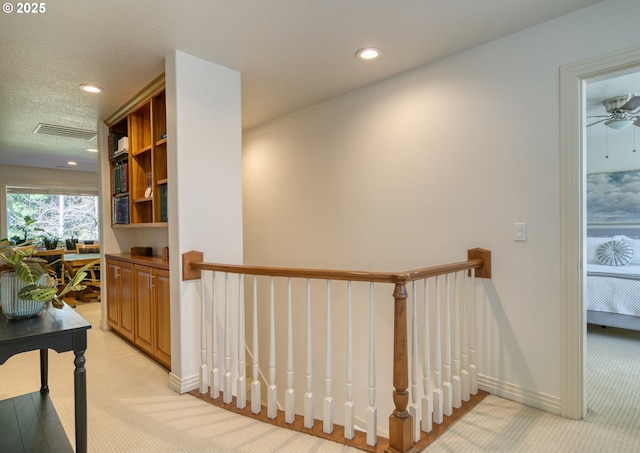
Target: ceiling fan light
{"points": [[619, 124]]}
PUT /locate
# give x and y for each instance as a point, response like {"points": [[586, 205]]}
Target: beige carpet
{"points": [[613, 414], [132, 410]]}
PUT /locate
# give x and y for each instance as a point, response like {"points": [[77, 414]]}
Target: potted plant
{"points": [[28, 283], [71, 243], [28, 231], [50, 241]]}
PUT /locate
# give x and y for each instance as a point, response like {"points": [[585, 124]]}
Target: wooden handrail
{"points": [[479, 259]]}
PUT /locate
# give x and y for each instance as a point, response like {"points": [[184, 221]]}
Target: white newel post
{"points": [[272, 391], [414, 410], [349, 408], [289, 395], [372, 411], [308, 396], [241, 386], [427, 402], [327, 404], [204, 369], [438, 403], [256, 397]]}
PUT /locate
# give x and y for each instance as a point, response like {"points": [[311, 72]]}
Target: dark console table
{"points": [[29, 422]]}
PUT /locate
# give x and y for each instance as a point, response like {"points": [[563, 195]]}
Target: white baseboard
{"points": [[519, 394], [183, 385]]}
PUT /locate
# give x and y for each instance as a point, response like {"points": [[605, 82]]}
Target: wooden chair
{"points": [[92, 280], [56, 257], [87, 248]]}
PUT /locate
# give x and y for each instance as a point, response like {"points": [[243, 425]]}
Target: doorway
{"points": [[573, 80]]}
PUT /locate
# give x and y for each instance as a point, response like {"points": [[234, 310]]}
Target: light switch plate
{"points": [[519, 231]]}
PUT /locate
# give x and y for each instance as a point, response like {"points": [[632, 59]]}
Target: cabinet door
{"points": [[113, 295], [162, 337], [143, 308], [126, 300]]}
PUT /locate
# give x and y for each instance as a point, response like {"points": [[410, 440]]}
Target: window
{"points": [[55, 212]]}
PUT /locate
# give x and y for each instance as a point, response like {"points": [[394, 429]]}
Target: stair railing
{"points": [[415, 410]]}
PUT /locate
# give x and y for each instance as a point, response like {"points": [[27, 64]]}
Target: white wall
{"points": [[414, 170]]}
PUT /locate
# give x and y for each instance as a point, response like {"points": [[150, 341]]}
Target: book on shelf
{"points": [[121, 210], [120, 177], [163, 203]]}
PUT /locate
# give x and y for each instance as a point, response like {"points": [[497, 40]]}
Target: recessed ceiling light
{"points": [[90, 88], [368, 53], [72, 163], [92, 150]]}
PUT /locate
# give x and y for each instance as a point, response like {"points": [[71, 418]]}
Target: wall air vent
{"points": [[64, 131]]}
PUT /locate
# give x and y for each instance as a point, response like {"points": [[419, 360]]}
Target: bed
{"points": [[613, 278]]}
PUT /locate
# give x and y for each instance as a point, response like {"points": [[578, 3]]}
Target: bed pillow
{"points": [[615, 253], [635, 243], [593, 243]]}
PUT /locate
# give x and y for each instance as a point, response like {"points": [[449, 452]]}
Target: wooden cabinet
{"points": [[162, 318], [120, 310], [138, 159], [148, 289]]}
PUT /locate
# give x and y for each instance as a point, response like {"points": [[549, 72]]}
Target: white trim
{"points": [[183, 385], [572, 220], [519, 394]]}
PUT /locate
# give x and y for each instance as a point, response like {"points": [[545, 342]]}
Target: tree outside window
{"points": [[55, 215]]}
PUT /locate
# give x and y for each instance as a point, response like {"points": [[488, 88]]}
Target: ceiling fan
{"points": [[623, 112]]}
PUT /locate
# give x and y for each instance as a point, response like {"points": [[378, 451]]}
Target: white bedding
{"points": [[613, 289]]}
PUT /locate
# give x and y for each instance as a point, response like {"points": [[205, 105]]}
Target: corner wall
{"points": [[205, 191]]}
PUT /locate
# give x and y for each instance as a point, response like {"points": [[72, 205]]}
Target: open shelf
{"points": [[139, 177]]}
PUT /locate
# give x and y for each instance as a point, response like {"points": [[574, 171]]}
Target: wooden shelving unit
{"points": [[139, 173]]}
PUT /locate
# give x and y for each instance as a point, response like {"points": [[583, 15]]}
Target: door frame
{"points": [[573, 332]]}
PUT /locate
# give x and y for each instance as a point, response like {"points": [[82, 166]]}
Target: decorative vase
{"points": [[12, 307]]}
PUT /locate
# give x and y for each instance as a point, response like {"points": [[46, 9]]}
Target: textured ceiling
{"points": [[291, 54]]}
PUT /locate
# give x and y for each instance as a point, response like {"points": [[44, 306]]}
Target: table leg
{"points": [[44, 370], [80, 391]]}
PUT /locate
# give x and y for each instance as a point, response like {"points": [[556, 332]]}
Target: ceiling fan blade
{"points": [[597, 122], [631, 104], [598, 116]]}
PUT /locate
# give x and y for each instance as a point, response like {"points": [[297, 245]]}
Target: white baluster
{"points": [[227, 395], [349, 408], [308, 396], [272, 392], [289, 395], [214, 373], [204, 368], [437, 392], [473, 372], [446, 387], [327, 405], [372, 411], [256, 397], [413, 407], [241, 397], [464, 374], [455, 380], [427, 402]]}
